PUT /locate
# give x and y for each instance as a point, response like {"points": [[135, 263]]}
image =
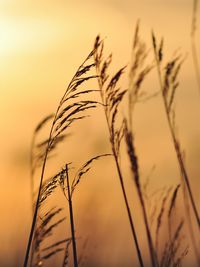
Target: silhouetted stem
{"points": [[136, 178], [176, 146], [35, 214], [153, 255], [128, 211], [26, 259], [71, 219], [32, 174], [32, 184], [133, 231], [39, 192], [189, 222]]}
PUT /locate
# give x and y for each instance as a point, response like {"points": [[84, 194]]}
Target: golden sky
{"points": [[41, 45]]}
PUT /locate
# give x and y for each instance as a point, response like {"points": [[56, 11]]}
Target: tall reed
{"points": [[168, 86], [112, 96], [65, 115], [46, 224], [68, 191], [71, 218], [139, 69], [71, 109], [135, 172], [36, 154]]}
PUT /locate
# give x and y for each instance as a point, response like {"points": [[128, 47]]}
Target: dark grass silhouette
{"points": [[111, 96], [139, 69], [75, 105], [168, 80], [65, 115]]}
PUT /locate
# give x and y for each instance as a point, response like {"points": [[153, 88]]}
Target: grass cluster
{"points": [[77, 104]]}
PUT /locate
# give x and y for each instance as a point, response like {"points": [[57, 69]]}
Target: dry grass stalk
{"points": [[83, 170], [161, 215], [71, 218], [138, 71], [45, 228], [168, 86], [189, 223], [172, 252], [68, 190], [172, 208], [171, 256], [66, 255], [66, 114], [135, 171], [72, 109], [42, 231], [173, 200], [34, 156], [173, 249], [112, 96]]}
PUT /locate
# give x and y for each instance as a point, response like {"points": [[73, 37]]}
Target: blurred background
{"points": [[41, 45]]}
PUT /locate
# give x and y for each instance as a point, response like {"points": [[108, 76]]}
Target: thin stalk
{"points": [[136, 178], [130, 119], [154, 260], [176, 145], [129, 212], [32, 184], [40, 188], [189, 222], [26, 259], [131, 104], [149, 237], [121, 179], [33, 168], [32, 174], [37, 205], [71, 219]]}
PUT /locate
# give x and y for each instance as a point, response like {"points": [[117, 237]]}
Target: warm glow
{"points": [[41, 45]]}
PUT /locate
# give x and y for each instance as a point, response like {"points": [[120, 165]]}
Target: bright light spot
{"points": [[20, 35]]}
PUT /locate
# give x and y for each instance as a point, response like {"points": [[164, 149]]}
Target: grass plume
{"points": [[65, 115], [168, 86], [112, 96]]}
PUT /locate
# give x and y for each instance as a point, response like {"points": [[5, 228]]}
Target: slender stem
{"points": [[154, 260], [44, 166], [136, 178], [189, 222], [35, 214], [32, 172], [26, 259], [177, 147], [128, 211], [32, 184], [71, 219], [153, 256], [130, 108], [185, 175], [121, 179]]}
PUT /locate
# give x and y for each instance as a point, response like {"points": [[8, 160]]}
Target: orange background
{"points": [[41, 45]]}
